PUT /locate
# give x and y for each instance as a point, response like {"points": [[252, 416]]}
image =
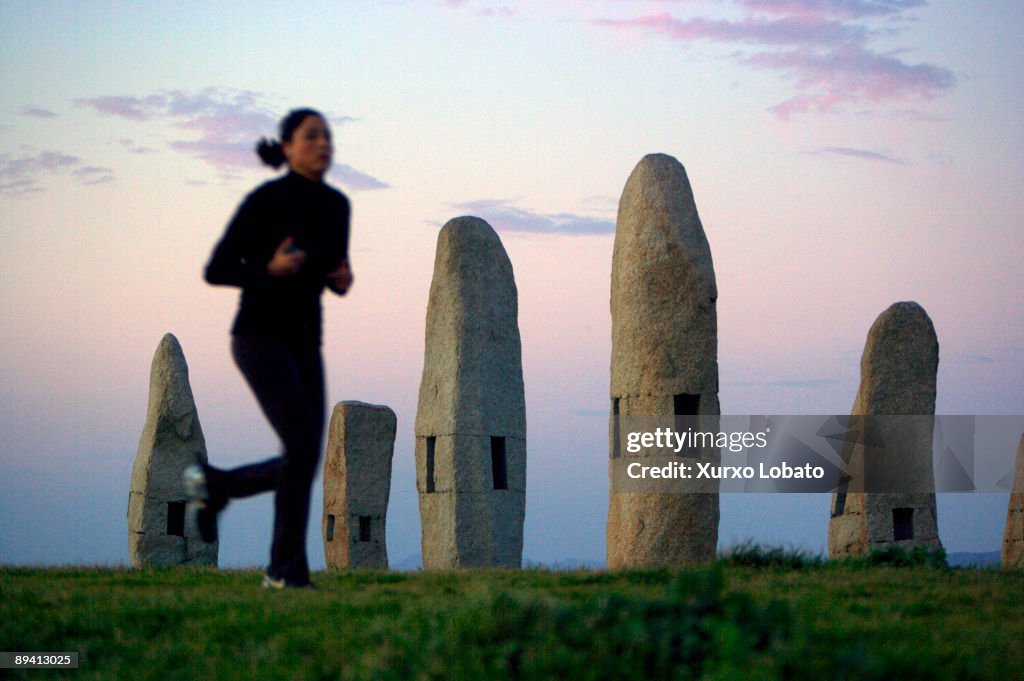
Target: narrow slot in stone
{"points": [[430, 463], [499, 464], [176, 518]]}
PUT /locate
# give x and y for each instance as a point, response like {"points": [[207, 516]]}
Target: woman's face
{"points": [[310, 149]]}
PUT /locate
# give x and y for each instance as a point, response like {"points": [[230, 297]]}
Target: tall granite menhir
{"points": [[888, 498], [471, 418], [664, 356], [1013, 539], [159, 531], [357, 484]]}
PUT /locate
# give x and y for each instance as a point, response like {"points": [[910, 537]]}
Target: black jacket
{"points": [[284, 308]]}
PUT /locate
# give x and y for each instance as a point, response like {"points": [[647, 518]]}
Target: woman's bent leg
{"points": [[245, 481], [289, 385]]}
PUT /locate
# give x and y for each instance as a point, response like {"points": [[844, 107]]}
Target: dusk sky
{"points": [[844, 155]]}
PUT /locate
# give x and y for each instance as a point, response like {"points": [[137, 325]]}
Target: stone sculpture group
{"points": [[470, 425]]}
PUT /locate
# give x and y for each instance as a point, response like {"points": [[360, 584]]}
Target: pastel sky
{"points": [[844, 155]]}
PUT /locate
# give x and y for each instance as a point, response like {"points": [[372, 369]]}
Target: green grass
{"points": [[762, 615]]}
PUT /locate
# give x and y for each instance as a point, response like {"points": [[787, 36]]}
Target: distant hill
{"points": [[414, 561], [567, 564], [410, 563], [987, 559]]}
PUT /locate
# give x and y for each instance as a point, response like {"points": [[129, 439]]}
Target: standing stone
{"points": [[897, 379], [471, 418], [664, 356], [159, 531], [1013, 540], [357, 484]]}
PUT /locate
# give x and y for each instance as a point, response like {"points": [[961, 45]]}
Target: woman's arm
{"points": [[231, 266], [340, 280], [228, 265]]}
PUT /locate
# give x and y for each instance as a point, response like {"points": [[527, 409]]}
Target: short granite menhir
{"points": [[897, 379], [159, 533], [357, 484]]}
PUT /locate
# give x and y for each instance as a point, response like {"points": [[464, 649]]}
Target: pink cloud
{"points": [[351, 178], [817, 45], [851, 74], [132, 108], [843, 9], [218, 153], [505, 216], [224, 125], [863, 154], [505, 11], [498, 12], [133, 148], [91, 175], [38, 112], [25, 174], [755, 31]]}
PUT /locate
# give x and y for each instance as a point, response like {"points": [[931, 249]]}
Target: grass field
{"points": [[757, 615]]}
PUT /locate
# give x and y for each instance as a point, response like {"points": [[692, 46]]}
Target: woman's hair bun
{"points": [[270, 152]]}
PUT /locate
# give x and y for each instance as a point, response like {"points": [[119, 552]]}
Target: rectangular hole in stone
{"points": [[330, 528], [176, 518], [685, 404], [686, 407], [840, 505], [499, 465], [902, 523], [616, 434], [430, 463], [364, 528]]}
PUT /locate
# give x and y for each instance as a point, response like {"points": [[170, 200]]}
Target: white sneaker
{"points": [[194, 479]]}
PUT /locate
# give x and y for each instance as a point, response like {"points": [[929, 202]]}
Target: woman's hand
{"points": [[340, 279], [287, 259]]}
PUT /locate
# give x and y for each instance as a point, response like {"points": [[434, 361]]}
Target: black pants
{"points": [[289, 384]]}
